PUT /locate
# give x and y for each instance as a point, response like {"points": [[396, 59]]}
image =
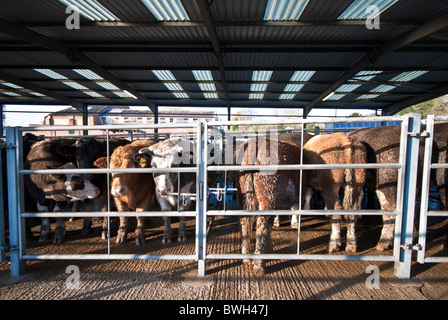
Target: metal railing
{"points": [[404, 212], [421, 246]]}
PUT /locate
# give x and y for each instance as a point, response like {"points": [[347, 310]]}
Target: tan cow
{"points": [[336, 148], [131, 191]]}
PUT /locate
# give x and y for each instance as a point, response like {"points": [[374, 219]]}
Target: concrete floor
{"points": [[225, 279]]}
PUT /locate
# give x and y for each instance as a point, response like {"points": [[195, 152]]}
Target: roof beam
{"points": [[206, 16], [71, 53], [48, 93], [372, 57]]}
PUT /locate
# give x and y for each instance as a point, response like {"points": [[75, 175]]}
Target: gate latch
{"points": [[424, 134]]}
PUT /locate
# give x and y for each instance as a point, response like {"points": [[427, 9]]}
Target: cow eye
{"points": [[179, 154]]}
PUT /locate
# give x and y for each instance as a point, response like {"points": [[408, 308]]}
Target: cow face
{"points": [[87, 150], [77, 186], [119, 181], [166, 154]]}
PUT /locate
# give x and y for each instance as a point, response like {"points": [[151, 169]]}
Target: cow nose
{"points": [[163, 190], [117, 192]]}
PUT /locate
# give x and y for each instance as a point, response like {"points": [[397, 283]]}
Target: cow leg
{"points": [[182, 233], [59, 232], [246, 231], [277, 222], [263, 231], [351, 234], [332, 203], [122, 230], [140, 231], [45, 229], [387, 233], [167, 232]]}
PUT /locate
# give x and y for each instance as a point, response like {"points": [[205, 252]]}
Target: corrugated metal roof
{"points": [[138, 43]]}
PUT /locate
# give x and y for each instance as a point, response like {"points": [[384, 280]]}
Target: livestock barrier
{"points": [[428, 165], [214, 135]]}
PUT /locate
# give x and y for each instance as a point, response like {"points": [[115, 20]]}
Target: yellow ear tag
{"points": [[142, 159]]}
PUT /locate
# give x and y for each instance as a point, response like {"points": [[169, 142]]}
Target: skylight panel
{"points": [[358, 9], [52, 74], [259, 87], [11, 85], [75, 85], [296, 87], [94, 94], [383, 88], [107, 85], [368, 96], [37, 94], [11, 94], [408, 76], [91, 9], [347, 87], [336, 97], [167, 75], [205, 75], [89, 74], [167, 10], [366, 75], [284, 9]]}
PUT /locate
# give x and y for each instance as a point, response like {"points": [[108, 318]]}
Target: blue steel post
{"points": [[402, 267], [15, 224], [2, 218]]}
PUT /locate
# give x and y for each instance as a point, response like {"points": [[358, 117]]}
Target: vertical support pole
{"points": [[85, 118], [426, 177], [15, 225], [201, 203], [402, 267], [156, 121], [1, 120], [2, 214]]}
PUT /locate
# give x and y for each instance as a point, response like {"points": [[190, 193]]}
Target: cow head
{"points": [[166, 154], [77, 186]]}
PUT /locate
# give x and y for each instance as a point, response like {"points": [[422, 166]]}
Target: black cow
{"points": [[52, 191]]}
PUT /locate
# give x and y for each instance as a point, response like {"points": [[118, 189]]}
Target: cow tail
{"points": [[348, 200]]}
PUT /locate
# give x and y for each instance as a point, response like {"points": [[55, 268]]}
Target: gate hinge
{"points": [[406, 246], [417, 247]]}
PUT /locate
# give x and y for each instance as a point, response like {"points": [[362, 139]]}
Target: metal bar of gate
{"points": [[404, 185], [16, 187], [2, 209], [426, 179]]}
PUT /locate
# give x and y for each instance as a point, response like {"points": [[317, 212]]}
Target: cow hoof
{"points": [[139, 241], [59, 235], [44, 237], [104, 235], [166, 240], [294, 226], [247, 262], [383, 245], [259, 269], [182, 237], [334, 246], [276, 224], [352, 248]]}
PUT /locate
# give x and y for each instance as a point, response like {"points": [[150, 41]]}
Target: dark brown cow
{"points": [[131, 191], [265, 190], [336, 148], [383, 146]]}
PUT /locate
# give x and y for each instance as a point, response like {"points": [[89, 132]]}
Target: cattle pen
{"points": [[209, 246], [223, 150]]}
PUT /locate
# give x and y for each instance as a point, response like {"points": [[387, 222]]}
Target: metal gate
{"points": [[404, 212], [421, 246]]}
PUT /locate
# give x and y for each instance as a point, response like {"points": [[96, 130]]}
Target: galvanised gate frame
{"points": [[424, 212], [404, 212]]}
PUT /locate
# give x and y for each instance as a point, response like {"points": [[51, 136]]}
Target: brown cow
{"points": [[265, 190], [131, 191], [336, 148]]}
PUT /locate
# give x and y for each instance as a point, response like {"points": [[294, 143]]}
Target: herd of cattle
{"points": [[342, 189]]}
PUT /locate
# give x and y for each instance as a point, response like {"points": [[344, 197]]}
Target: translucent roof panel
{"points": [[52, 74], [362, 9], [89, 74], [284, 9], [167, 10], [91, 9]]}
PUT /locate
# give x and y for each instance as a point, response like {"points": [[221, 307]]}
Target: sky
{"points": [[24, 115]]}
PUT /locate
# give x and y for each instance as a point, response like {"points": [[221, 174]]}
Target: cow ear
{"points": [[142, 158], [101, 163]]}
